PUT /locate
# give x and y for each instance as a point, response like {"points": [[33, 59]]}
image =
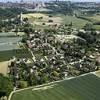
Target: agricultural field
{"points": [[77, 22], [38, 19], [19, 53], [94, 18], [9, 41], [4, 67], [86, 87], [9, 47]]}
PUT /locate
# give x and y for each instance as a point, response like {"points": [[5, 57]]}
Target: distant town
{"points": [[33, 5]]}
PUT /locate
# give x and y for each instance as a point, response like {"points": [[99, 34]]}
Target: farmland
{"points": [[77, 22], [8, 41], [20, 53], [37, 19], [94, 18], [9, 47], [4, 67], [81, 88], [51, 53]]}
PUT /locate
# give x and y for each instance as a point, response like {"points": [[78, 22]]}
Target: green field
{"points": [[9, 41], [9, 47], [20, 53], [77, 22], [93, 19], [82, 88]]}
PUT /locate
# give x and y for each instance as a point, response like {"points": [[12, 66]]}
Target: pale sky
{"points": [[53, 0]]}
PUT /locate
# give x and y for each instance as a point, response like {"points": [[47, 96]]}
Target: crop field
{"points": [[7, 34], [9, 47], [77, 22], [4, 67], [36, 20], [94, 18], [20, 53], [81, 88], [9, 41]]}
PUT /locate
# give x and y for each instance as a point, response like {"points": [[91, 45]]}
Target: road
{"points": [[35, 87]]}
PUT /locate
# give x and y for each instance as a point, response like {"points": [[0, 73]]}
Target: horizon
{"points": [[50, 0]]}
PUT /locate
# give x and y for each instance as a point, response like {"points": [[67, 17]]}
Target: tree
{"points": [[23, 84], [89, 27], [25, 19], [50, 21], [5, 86]]}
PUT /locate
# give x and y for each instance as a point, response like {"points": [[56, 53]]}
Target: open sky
{"points": [[53, 0]]}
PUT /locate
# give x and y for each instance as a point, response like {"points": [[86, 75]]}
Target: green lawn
{"points": [[6, 55], [82, 88]]}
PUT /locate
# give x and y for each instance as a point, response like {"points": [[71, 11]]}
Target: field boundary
{"points": [[33, 87]]}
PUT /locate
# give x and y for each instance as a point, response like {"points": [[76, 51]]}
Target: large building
{"points": [[21, 4]]}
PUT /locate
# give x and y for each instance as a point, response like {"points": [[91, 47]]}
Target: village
{"points": [[55, 57], [46, 43]]}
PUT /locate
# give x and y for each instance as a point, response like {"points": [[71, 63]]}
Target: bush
{"points": [[40, 18], [55, 25], [50, 16], [50, 21], [66, 25], [22, 84], [96, 23], [5, 86], [43, 23]]}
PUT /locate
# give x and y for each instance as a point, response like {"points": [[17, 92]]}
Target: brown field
{"points": [[4, 67]]}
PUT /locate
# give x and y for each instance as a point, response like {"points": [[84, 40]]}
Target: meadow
{"points": [[76, 22], [81, 88], [38, 19], [93, 19]]}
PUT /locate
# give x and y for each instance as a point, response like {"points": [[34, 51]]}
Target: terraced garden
{"points": [[81, 88]]}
